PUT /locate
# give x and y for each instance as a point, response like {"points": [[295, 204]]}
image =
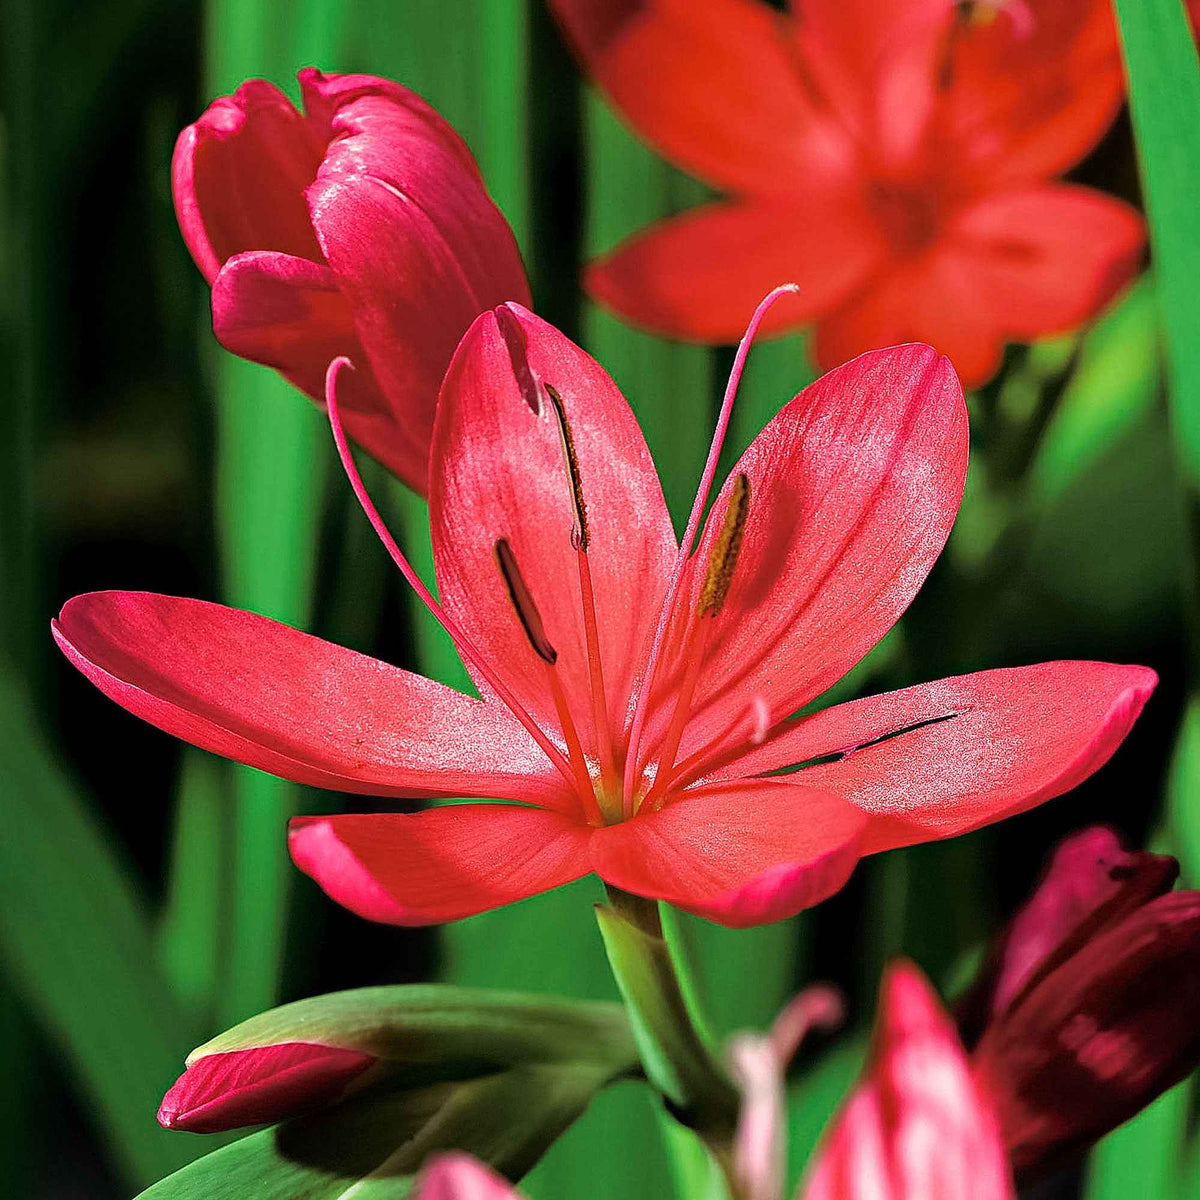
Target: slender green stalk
{"points": [[271, 470], [1164, 95], [675, 1051]]}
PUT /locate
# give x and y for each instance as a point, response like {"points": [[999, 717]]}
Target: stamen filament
{"points": [[609, 780], [575, 755], [689, 536], [581, 541], [457, 635], [683, 709]]}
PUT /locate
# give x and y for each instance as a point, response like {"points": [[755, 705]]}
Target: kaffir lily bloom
{"points": [[917, 1126], [895, 157], [1083, 1016], [357, 227], [637, 700]]}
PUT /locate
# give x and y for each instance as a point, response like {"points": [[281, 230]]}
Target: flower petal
{"points": [[270, 696], [284, 312], [1028, 99], [263, 1083], [713, 86], [498, 470], [238, 176], [933, 297], [943, 758], [1095, 1040], [439, 865], [853, 488], [1092, 883], [458, 1176], [741, 853], [418, 249], [1048, 258], [916, 1127], [701, 275]]}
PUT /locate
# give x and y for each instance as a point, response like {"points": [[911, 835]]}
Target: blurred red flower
{"points": [[359, 227], [895, 157], [1085, 1012], [638, 700]]}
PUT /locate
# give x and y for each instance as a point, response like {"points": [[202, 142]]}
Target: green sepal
{"points": [[435, 1031], [675, 1055], [371, 1146]]}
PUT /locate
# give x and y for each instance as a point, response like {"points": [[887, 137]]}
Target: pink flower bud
{"points": [[259, 1084], [358, 227]]}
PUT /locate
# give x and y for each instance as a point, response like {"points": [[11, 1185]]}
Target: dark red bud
{"points": [[1090, 1042], [1092, 883], [260, 1084]]}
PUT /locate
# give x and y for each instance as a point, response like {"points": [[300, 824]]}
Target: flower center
{"points": [[907, 214]]}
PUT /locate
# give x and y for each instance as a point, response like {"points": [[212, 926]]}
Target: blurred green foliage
{"points": [[145, 893]]}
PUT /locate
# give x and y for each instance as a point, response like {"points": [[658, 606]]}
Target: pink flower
{"points": [[624, 679], [916, 1127], [895, 157], [357, 227]]}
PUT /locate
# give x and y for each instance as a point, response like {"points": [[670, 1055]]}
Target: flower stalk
{"points": [[675, 1052]]}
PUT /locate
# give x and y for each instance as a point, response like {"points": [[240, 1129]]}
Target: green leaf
{"points": [[815, 1097], [1183, 794], [75, 941], [470, 1028], [1115, 381], [1164, 97], [371, 1146]]}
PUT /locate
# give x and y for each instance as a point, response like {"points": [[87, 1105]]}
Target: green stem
{"points": [[675, 1053]]}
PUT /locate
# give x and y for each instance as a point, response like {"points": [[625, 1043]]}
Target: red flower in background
{"points": [[638, 700], [359, 227], [1086, 1012], [895, 157], [916, 1127]]}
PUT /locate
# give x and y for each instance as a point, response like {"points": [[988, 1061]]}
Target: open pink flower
{"points": [[917, 1126], [895, 157], [638, 700], [358, 227]]}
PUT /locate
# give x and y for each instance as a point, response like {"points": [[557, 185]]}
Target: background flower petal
{"points": [[715, 87], [702, 274]]}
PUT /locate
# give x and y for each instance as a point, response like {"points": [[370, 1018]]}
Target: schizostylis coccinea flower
{"points": [[359, 226], [638, 699], [896, 157]]}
